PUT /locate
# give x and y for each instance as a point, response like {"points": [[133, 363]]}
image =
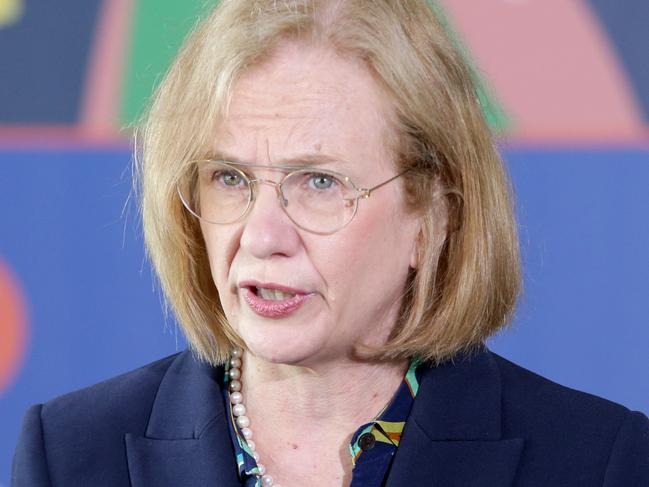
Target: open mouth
{"points": [[271, 294], [271, 302]]}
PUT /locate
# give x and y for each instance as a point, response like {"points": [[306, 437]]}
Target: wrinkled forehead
{"points": [[306, 99]]}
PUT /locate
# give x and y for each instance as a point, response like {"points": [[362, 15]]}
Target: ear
{"points": [[417, 246], [431, 239]]}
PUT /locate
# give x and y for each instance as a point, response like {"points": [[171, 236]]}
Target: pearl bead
{"points": [[239, 411], [267, 481]]}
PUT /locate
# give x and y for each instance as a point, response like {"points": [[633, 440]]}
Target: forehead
{"points": [[306, 99]]}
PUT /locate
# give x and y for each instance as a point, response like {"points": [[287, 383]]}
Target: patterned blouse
{"points": [[372, 446]]}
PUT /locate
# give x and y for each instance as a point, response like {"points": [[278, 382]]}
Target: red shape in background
{"points": [[13, 326]]}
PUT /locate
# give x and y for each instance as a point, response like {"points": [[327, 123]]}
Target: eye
{"points": [[322, 181], [230, 179]]}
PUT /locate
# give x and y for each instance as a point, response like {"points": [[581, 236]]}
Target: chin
{"points": [[278, 343]]}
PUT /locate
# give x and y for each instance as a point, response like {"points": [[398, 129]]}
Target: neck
{"points": [[303, 417], [332, 396]]}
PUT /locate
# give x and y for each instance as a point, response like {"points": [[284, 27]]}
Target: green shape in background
{"points": [[493, 110], [160, 26], [158, 30]]}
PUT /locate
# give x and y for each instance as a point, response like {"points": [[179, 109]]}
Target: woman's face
{"points": [[307, 103]]}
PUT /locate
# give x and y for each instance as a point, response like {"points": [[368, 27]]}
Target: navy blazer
{"points": [[479, 421]]}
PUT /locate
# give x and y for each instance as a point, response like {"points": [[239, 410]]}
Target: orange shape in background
{"points": [[13, 326]]}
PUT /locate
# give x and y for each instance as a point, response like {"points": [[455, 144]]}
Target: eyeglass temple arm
{"points": [[365, 192]]}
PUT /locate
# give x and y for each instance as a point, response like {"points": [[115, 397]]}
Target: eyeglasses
{"points": [[316, 200]]}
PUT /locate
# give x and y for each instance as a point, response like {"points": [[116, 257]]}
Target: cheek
{"points": [[218, 251], [370, 256]]}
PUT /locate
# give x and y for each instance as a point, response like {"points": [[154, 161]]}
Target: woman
{"points": [[331, 223]]}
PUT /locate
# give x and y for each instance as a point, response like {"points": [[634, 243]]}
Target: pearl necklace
{"points": [[243, 421]]}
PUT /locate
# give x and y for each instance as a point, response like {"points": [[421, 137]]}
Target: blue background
{"points": [[72, 237], [44, 61]]}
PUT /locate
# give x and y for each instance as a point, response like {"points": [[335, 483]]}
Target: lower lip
{"points": [[272, 308]]}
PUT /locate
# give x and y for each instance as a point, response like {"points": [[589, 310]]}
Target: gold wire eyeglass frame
{"points": [[361, 193]]}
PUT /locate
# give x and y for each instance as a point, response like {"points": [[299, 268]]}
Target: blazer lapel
{"points": [[453, 435], [186, 442], [452, 438]]}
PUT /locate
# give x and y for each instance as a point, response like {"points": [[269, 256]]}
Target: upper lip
{"points": [[251, 283]]}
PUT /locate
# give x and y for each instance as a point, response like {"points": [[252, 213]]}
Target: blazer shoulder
{"points": [[123, 402], [530, 389], [585, 434], [62, 438]]}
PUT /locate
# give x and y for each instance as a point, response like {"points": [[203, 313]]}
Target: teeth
{"points": [[273, 294]]}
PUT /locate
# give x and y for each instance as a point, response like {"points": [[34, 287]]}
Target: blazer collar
{"points": [[453, 436], [186, 440], [461, 399]]}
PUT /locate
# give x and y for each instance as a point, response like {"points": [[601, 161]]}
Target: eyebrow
{"points": [[299, 160]]}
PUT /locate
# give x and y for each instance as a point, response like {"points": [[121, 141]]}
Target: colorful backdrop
{"points": [[565, 85]]}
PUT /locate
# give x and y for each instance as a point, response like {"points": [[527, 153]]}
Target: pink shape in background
{"points": [[102, 93], [552, 68]]}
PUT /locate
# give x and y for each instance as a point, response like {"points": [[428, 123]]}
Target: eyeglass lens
{"points": [[316, 200]]}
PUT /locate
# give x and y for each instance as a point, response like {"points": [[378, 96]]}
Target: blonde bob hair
{"points": [[461, 292]]}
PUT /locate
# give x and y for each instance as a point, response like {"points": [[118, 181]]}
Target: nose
{"points": [[268, 231], [278, 192]]}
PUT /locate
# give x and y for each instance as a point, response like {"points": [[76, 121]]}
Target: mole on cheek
{"points": [[318, 147]]}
